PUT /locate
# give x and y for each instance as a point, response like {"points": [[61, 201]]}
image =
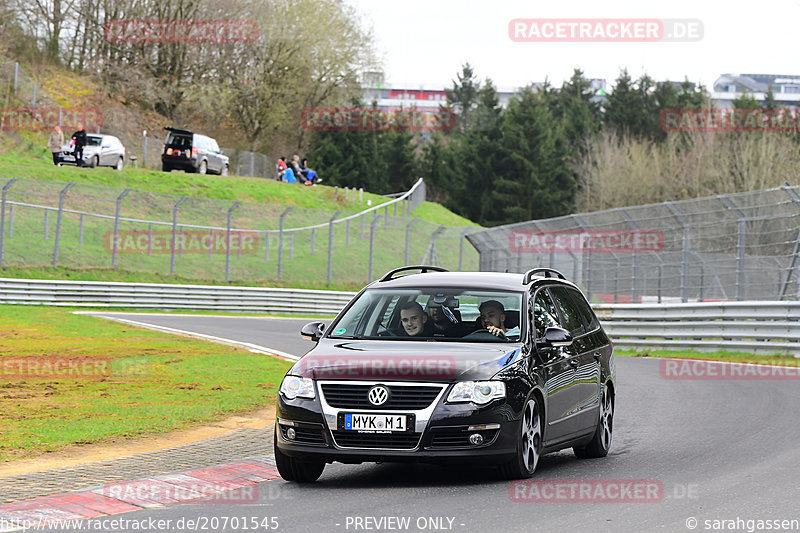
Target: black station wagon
{"points": [[446, 366]]}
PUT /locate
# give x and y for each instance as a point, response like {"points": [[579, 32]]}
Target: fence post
{"points": [[347, 234], [144, 148], [174, 235], [408, 231], [461, 249], [686, 248], [58, 219], [336, 192], [741, 244], [313, 239], [228, 245], [796, 201], [361, 195], [80, 230], [386, 217], [252, 164], [46, 224], [266, 246], [372, 243], [3, 217], [280, 241], [149, 239], [116, 228], [330, 244]]}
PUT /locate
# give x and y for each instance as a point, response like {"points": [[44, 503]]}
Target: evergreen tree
{"points": [[463, 96]]}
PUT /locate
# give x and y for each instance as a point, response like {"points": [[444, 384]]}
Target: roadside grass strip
{"points": [[73, 379]]}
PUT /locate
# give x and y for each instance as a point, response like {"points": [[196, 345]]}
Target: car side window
{"points": [[589, 318], [544, 313], [572, 318]]}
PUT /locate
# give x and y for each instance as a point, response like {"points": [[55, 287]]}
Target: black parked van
{"points": [[192, 152]]}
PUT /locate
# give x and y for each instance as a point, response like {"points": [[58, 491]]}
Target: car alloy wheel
{"points": [[203, 167], [601, 441], [225, 170], [120, 164], [529, 444]]}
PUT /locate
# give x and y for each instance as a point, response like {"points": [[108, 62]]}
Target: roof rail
{"points": [[422, 268], [548, 273]]}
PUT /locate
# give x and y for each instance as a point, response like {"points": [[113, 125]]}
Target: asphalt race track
{"points": [[716, 450]]}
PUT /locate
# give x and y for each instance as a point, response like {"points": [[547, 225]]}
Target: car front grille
{"points": [[401, 398], [394, 441]]}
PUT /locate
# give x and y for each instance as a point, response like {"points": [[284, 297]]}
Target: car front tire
{"points": [[225, 170], [120, 164], [529, 443], [601, 441], [292, 469]]}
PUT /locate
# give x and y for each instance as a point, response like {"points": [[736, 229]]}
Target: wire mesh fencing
{"points": [[743, 246], [86, 226]]}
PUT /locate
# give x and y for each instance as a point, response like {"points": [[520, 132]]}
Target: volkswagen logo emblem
{"points": [[378, 395]]}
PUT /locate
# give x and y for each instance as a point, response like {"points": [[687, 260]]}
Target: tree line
{"points": [[305, 53]]}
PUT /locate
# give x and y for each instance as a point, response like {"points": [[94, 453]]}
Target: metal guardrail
{"points": [[758, 327], [168, 296]]}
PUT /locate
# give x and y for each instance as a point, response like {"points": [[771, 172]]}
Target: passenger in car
{"points": [[415, 321], [493, 318]]}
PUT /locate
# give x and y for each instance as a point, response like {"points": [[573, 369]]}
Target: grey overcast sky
{"points": [[427, 41]]}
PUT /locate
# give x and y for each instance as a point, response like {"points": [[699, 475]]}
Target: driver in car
{"points": [[493, 318]]}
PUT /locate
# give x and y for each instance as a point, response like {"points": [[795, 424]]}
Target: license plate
{"points": [[375, 423], [68, 157]]}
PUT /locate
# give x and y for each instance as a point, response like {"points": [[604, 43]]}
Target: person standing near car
{"points": [[80, 141], [55, 142]]}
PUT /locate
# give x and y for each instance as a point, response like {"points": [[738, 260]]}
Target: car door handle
{"points": [[574, 362]]}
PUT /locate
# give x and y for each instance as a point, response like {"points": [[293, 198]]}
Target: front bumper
{"points": [[440, 433]]}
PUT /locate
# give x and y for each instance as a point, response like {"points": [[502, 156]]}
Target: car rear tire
{"points": [[120, 164], [601, 441], [292, 469], [166, 168], [203, 168], [529, 443], [95, 162]]}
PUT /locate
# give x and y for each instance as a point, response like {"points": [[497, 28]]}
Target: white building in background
{"points": [[729, 87]]}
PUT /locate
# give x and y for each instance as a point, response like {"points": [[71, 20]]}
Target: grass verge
{"points": [[733, 357], [157, 382]]}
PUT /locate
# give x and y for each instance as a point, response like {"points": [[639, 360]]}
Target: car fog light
{"points": [[476, 439], [290, 433]]}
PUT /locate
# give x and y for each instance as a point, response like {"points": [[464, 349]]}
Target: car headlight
{"points": [[293, 387], [479, 392]]}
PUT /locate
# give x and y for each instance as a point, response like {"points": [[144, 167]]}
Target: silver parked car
{"points": [[100, 151]]}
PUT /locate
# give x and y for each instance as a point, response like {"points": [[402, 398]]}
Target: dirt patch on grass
{"points": [[115, 448]]}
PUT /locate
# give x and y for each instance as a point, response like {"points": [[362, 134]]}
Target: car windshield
{"points": [[453, 314], [91, 140]]}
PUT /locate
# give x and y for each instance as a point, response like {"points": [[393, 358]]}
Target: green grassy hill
{"points": [[305, 258]]}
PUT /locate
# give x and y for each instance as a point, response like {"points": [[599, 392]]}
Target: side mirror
{"points": [[554, 338], [313, 331]]}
